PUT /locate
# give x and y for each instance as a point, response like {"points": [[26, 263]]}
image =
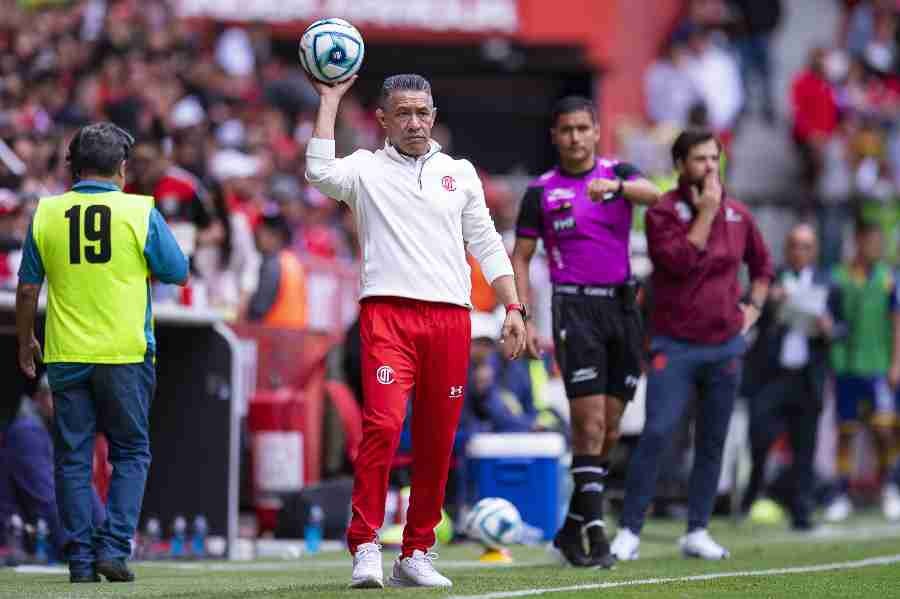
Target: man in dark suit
{"points": [[786, 370]]}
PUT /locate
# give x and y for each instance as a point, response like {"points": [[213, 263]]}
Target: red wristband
{"points": [[520, 308]]}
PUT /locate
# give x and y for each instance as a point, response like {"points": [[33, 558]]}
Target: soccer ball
{"points": [[331, 50], [495, 522]]}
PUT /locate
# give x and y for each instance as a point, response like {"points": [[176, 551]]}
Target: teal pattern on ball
{"points": [[336, 54], [503, 526]]}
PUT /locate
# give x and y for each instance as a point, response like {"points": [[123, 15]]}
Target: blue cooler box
{"points": [[523, 468]]}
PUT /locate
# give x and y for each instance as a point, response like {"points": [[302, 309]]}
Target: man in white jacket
{"points": [[417, 210]]}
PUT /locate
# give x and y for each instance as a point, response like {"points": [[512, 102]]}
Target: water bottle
{"points": [[179, 531], [198, 541], [531, 535], [186, 294], [41, 532], [312, 534], [405, 494], [15, 540], [151, 539], [390, 507], [200, 297]]}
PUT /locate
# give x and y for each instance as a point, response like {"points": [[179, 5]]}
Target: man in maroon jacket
{"points": [[698, 239]]}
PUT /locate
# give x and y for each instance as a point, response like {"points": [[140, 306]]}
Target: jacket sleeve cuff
{"points": [[496, 265], [320, 148]]}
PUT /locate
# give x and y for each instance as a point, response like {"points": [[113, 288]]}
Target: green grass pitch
{"points": [[833, 553]]}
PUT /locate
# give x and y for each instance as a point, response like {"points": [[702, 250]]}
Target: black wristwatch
{"points": [[609, 196], [520, 308]]}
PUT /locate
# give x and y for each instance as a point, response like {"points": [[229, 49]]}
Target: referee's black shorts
{"points": [[598, 342]]}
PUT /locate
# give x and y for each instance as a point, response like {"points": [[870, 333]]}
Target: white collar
{"points": [[805, 276], [389, 149]]}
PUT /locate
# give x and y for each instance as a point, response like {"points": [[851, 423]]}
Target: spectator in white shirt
{"points": [[669, 89], [717, 77], [230, 267]]}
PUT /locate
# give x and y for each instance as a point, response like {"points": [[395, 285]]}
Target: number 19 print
{"points": [[96, 229]]}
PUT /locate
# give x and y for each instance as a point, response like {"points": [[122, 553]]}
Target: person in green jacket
{"points": [[865, 358]]}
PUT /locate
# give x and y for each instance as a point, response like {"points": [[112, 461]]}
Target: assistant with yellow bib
{"points": [[97, 248]]}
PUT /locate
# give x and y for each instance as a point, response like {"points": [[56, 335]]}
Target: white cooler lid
{"points": [[516, 445]]}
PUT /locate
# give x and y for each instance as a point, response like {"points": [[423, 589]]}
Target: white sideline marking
{"points": [[315, 565], [32, 569], [872, 561]]}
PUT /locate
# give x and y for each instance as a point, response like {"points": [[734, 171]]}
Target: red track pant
{"points": [[405, 344]]}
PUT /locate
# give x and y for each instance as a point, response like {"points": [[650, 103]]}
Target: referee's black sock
{"points": [[575, 516], [589, 474], [574, 519], [572, 525]]}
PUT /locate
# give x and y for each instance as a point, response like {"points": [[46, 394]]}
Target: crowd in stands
{"points": [[715, 69], [845, 106], [221, 122], [715, 66]]}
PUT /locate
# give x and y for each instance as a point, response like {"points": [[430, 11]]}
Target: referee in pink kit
{"points": [[418, 210]]}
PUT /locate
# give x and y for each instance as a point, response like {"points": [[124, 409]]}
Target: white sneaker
{"points": [[417, 571], [367, 569], [625, 546], [839, 509], [890, 502], [700, 544]]}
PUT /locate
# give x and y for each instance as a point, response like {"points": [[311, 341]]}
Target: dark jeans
{"points": [[753, 51], [832, 220], [792, 401], [678, 369], [114, 400]]}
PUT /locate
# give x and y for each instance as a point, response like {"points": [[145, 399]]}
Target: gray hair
{"points": [[405, 82]]}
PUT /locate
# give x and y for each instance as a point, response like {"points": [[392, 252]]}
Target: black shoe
{"points": [[77, 578], [115, 570], [571, 547], [802, 525], [599, 555]]}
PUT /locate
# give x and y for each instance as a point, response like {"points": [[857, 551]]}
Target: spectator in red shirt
{"points": [[241, 177], [815, 114], [698, 238], [179, 195], [10, 239]]}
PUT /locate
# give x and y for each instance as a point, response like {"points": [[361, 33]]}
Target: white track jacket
{"points": [[416, 218]]}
